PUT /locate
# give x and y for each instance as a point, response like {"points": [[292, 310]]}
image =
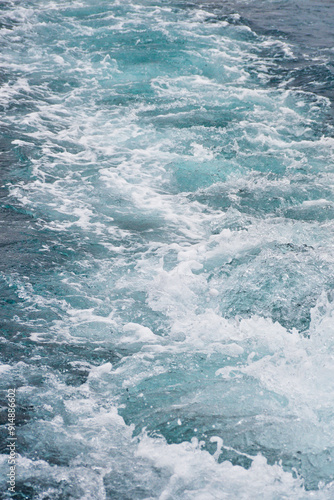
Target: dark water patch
{"points": [[307, 27]]}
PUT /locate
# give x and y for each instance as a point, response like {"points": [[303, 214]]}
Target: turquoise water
{"points": [[166, 249]]}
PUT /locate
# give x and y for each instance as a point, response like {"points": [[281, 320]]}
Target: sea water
{"points": [[166, 260]]}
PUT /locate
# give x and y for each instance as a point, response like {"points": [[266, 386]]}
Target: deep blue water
{"points": [[166, 248]]}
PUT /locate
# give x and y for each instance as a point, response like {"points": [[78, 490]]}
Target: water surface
{"points": [[166, 257]]}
